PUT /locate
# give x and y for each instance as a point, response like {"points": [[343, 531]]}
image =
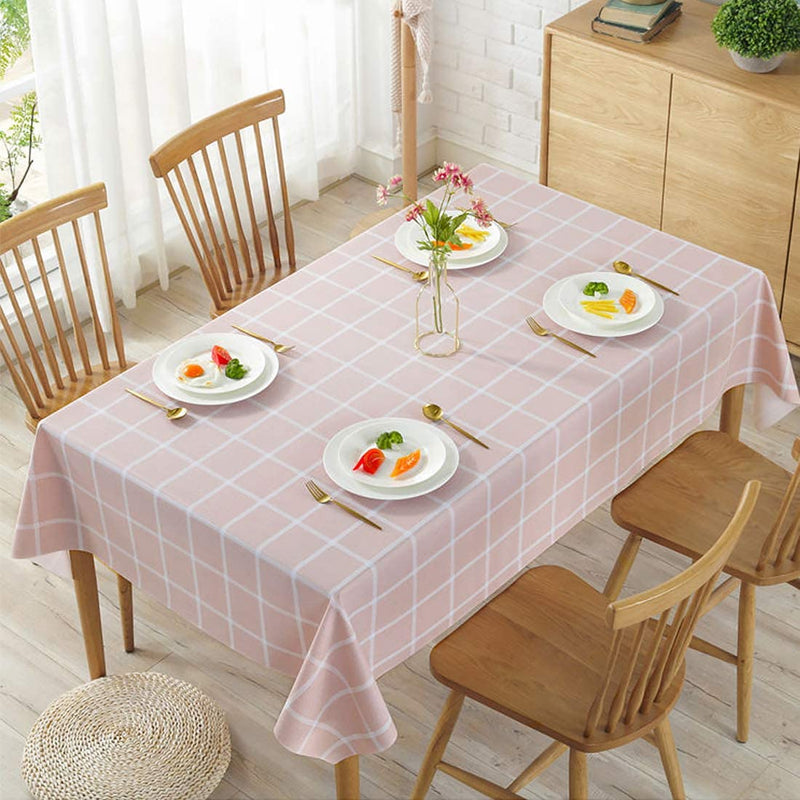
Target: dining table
{"points": [[210, 514]]}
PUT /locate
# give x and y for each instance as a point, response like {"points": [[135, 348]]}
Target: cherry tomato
{"points": [[220, 356], [371, 461]]}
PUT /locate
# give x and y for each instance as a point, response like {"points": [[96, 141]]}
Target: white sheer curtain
{"points": [[116, 78]]}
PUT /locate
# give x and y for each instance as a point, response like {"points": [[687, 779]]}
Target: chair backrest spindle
{"points": [[230, 250], [783, 541], [70, 297], [210, 234], [273, 230], [649, 652], [30, 351]]}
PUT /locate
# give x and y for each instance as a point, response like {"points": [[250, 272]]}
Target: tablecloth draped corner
{"points": [[335, 708]]}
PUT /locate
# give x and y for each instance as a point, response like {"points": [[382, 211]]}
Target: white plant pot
{"points": [[18, 206], [757, 64]]}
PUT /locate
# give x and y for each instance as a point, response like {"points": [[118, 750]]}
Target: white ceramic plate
{"points": [[556, 311], [344, 477], [408, 234], [571, 296], [416, 435], [251, 353]]}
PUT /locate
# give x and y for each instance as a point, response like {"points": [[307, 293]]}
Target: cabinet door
{"points": [[790, 314], [730, 177], [607, 128]]}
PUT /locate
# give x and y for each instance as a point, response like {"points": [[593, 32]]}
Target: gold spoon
{"points": [[435, 413], [625, 269], [278, 348], [172, 413], [417, 275]]}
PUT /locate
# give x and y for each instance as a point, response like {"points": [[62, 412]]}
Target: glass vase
{"points": [[437, 312]]}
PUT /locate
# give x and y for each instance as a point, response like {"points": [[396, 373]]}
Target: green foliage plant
{"points": [[5, 212], [15, 33], [19, 141], [758, 28]]}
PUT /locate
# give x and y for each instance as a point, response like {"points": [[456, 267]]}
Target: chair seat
{"points": [[76, 389], [249, 287], [538, 652], [688, 497]]}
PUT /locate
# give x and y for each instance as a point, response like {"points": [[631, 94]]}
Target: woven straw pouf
{"points": [[140, 736]]}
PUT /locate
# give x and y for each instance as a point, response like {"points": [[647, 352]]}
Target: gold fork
{"points": [[322, 496], [278, 348], [418, 275], [540, 331]]}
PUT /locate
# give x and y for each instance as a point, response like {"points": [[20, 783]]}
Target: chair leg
{"points": [[578, 777], [744, 659], [125, 592], [438, 743], [669, 759], [537, 766], [622, 566]]}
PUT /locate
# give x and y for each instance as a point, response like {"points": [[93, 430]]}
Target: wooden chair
{"points": [[215, 208], [681, 501], [49, 380], [553, 654]]}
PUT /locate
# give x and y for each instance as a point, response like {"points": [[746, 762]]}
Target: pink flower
{"points": [[481, 212], [451, 170], [395, 181], [464, 181], [382, 194], [414, 212], [440, 175]]}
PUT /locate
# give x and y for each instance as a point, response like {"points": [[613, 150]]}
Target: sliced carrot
{"points": [[453, 246], [405, 463], [628, 301]]}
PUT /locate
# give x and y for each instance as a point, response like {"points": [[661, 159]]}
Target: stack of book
{"points": [[635, 23]]}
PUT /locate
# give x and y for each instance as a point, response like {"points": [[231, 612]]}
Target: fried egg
{"points": [[199, 372]]}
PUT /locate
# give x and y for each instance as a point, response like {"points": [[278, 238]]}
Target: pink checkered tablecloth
{"points": [[211, 517]]}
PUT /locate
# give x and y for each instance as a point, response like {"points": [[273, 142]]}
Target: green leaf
{"points": [[15, 34], [431, 213], [758, 28]]}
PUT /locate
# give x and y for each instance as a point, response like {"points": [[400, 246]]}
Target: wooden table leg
{"points": [[85, 581], [730, 418], [125, 593], [347, 779]]}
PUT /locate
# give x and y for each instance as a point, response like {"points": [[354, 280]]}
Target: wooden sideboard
{"points": [[673, 134]]}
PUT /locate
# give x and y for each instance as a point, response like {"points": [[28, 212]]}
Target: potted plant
{"points": [[20, 138], [16, 155], [758, 33]]}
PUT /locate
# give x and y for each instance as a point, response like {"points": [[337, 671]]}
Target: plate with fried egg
{"points": [[196, 370]]}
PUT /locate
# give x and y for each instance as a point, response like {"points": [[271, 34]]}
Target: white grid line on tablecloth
{"points": [[578, 444], [461, 589]]}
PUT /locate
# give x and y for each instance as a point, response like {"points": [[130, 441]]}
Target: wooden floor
{"points": [[41, 652]]}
